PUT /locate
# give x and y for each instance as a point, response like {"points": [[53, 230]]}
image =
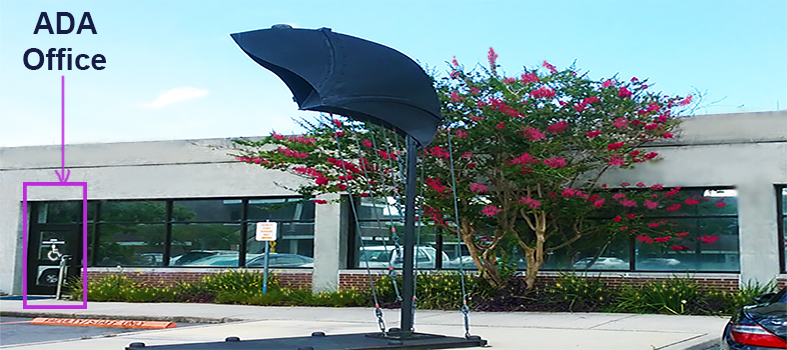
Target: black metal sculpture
{"points": [[365, 81]]}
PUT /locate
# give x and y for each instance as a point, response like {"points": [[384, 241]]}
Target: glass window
{"points": [[130, 245], [214, 210], [133, 211], [595, 252], [281, 209], [383, 209], [205, 245], [293, 238], [62, 212]]}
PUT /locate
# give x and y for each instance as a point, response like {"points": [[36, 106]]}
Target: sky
{"points": [[173, 72]]}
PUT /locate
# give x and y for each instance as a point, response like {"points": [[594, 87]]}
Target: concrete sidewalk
{"points": [[503, 330]]}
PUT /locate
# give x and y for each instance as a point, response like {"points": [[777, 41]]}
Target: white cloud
{"points": [[176, 95]]}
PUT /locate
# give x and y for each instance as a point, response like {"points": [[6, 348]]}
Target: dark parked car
{"points": [[762, 326]]}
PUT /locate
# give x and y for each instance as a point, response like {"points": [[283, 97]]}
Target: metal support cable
{"points": [[465, 309], [391, 271], [377, 310]]}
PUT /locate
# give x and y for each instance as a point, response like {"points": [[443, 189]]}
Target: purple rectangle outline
{"points": [[84, 245]]}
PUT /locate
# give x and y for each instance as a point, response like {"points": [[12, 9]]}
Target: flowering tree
{"points": [[528, 152]]}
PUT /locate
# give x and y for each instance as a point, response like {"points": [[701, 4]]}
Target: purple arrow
{"points": [[64, 173]]}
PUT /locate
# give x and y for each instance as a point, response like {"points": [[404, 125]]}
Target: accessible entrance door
{"points": [[47, 245]]}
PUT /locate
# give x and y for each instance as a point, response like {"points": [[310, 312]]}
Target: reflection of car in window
{"points": [[602, 263], [384, 256], [195, 255], [277, 260], [660, 264]]}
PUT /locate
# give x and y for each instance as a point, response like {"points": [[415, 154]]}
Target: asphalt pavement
{"points": [[503, 330]]}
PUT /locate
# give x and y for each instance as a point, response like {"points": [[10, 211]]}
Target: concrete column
{"points": [[759, 236], [330, 248]]}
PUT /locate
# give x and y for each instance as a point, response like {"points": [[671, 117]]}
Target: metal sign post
{"points": [[266, 232]]}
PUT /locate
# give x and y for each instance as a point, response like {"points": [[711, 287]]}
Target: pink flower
{"points": [[657, 187], [454, 62], [592, 134], [691, 201], [366, 143], [681, 234], [490, 210], [579, 107], [623, 228], [619, 195], [624, 93], [474, 91], [478, 188], [492, 57], [319, 201], [509, 80], [292, 153], [460, 133], [620, 123], [556, 162], [652, 126], [708, 239], [650, 155], [591, 99], [466, 155], [667, 135], [533, 134], [558, 127], [322, 180], [607, 83], [720, 204], [543, 92], [680, 247], [337, 122], [616, 160], [599, 203], [617, 218], [662, 239], [435, 184], [436, 151], [673, 207], [455, 97], [551, 68], [500, 125], [628, 203], [530, 202], [685, 101], [653, 224], [624, 184], [641, 184], [634, 79], [631, 216], [529, 78], [645, 239], [650, 204], [341, 187], [614, 146]]}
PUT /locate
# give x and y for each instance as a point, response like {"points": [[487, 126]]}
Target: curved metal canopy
{"points": [[345, 75]]}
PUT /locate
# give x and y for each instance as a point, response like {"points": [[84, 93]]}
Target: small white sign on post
{"points": [[266, 231]]}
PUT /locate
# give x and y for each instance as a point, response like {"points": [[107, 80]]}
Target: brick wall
{"points": [[360, 280], [168, 278]]}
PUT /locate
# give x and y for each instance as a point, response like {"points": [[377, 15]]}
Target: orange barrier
{"points": [[49, 321]]}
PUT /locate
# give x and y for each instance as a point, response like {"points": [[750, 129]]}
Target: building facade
{"points": [[176, 210]]}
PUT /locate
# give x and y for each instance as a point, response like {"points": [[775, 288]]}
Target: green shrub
{"points": [[674, 296], [121, 288], [437, 290], [234, 280], [573, 291], [746, 295]]}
